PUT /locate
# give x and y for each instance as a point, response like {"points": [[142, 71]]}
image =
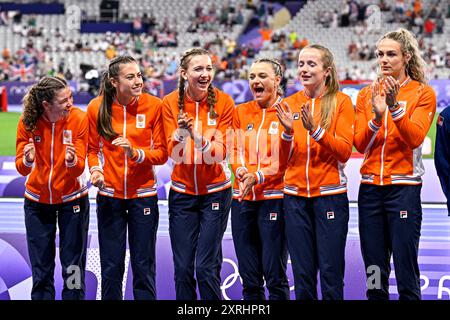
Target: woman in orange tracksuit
{"points": [[315, 200], [196, 118], [51, 151], [393, 118], [257, 215], [126, 140]]}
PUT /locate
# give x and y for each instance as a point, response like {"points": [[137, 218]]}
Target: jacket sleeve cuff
{"points": [[287, 137], [374, 126], [241, 169], [259, 177], [178, 137], [397, 111], [26, 163], [206, 145], [95, 168], [139, 157], [318, 133]]}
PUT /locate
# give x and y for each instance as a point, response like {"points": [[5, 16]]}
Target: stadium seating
{"points": [[338, 40]]}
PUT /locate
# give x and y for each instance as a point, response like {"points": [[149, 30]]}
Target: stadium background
{"points": [[75, 39]]}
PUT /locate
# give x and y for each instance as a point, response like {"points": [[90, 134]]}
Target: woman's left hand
{"points": [[285, 117], [246, 184], [307, 118], [391, 88], [125, 144], [70, 152]]}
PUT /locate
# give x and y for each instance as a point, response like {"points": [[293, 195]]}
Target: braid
{"points": [[181, 84], [211, 100], [184, 63], [276, 66]]}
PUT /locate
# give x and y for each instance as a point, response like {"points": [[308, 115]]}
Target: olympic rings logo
{"points": [[231, 279]]}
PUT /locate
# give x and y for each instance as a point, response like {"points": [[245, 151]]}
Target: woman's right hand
{"points": [[378, 101], [285, 117], [185, 125], [29, 152], [97, 179]]}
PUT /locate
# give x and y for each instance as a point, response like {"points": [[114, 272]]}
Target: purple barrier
{"points": [[237, 89]]}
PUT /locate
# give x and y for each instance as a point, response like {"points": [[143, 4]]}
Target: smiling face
{"points": [[391, 59], [263, 83], [128, 83], [60, 106], [311, 71], [199, 75]]}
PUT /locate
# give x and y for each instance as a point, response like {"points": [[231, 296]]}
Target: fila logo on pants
{"points": [[330, 215]]}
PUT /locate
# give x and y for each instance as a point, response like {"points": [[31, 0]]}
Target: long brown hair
{"points": [[184, 64], [44, 90], [104, 125], [409, 45], [329, 99]]}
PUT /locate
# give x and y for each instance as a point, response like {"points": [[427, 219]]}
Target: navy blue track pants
{"points": [[141, 216], [41, 221], [196, 227], [390, 219], [316, 230], [258, 229]]}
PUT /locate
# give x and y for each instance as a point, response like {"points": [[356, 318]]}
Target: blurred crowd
{"points": [[231, 59]]}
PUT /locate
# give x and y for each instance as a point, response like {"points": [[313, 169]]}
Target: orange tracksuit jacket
{"points": [[393, 149], [51, 179], [203, 170], [316, 164], [260, 144], [140, 122]]}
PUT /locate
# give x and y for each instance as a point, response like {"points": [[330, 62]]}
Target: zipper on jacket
{"points": [[382, 148], [308, 147], [125, 154], [195, 151], [51, 164], [257, 148]]}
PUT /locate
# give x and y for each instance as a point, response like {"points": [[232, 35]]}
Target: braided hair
{"points": [[276, 66], [184, 64], [44, 90]]}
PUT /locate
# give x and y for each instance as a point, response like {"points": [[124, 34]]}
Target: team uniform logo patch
{"points": [[147, 211], [273, 216], [215, 206], [76, 209], [211, 122], [67, 136], [273, 127], [330, 215], [140, 121], [403, 214]]}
